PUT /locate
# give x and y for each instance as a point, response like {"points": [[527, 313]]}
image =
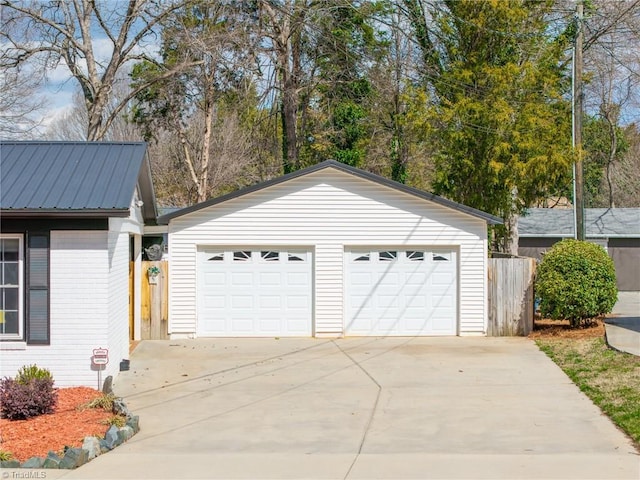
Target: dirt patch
{"points": [[67, 426], [545, 328]]}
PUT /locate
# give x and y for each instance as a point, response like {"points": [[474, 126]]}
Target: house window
{"points": [[24, 288], [11, 325]]}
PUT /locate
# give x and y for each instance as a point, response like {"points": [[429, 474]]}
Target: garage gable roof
{"points": [[84, 179], [490, 219]]}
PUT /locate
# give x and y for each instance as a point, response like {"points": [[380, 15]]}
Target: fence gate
{"points": [[511, 296], [154, 295]]}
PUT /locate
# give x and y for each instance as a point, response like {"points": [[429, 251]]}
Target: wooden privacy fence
{"points": [[154, 295], [511, 296]]}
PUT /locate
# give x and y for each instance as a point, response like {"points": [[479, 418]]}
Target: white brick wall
{"points": [[88, 308]]}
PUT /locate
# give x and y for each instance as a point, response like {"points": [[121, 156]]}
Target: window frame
{"points": [[21, 335]]}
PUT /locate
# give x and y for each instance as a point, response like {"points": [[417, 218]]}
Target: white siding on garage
{"points": [[328, 210]]}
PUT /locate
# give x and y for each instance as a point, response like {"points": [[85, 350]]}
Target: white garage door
{"points": [[401, 292], [254, 293]]}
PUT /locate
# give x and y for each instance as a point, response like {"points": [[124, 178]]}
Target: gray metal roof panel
{"points": [[491, 219], [69, 176], [599, 222]]}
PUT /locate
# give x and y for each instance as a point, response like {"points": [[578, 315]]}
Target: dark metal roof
{"points": [[164, 219], [599, 222], [73, 178]]}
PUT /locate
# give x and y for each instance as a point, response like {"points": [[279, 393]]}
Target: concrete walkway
{"points": [[623, 326], [358, 408]]}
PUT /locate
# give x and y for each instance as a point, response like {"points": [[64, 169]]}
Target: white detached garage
{"points": [[330, 250]]}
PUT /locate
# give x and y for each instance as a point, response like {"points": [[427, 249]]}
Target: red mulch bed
{"points": [[67, 426]]}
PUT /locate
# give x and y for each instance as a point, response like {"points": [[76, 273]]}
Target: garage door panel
{"points": [[294, 279], [258, 292], [242, 279], [270, 279], [270, 301], [216, 279], [298, 302], [401, 292]]}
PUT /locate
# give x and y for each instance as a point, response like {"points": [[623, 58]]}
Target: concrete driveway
{"points": [[388, 408]]}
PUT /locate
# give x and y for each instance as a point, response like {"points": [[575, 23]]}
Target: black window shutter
{"points": [[37, 289]]}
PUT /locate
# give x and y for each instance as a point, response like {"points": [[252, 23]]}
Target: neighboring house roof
{"points": [[90, 179], [164, 219], [599, 222]]}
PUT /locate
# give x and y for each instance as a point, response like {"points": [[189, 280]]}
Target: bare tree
{"points": [[93, 39], [194, 106], [72, 124], [284, 26], [20, 103]]}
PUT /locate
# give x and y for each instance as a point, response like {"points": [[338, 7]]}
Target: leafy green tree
{"points": [[501, 123], [348, 44]]}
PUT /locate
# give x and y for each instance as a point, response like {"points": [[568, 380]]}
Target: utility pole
{"points": [[578, 187]]}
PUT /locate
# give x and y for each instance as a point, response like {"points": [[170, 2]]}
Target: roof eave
{"points": [[60, 213]]}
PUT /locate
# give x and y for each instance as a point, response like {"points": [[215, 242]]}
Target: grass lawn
{"points": [[611, 379]]}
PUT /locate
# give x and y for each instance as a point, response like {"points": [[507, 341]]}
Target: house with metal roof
{"points": [[616, 229], [72, 216], [327, 251]]}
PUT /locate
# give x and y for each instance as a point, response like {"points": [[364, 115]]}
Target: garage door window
{"points": [[297, 257], [270, 256], [242, 256], [217, 257], [415, 256], [442, 257], [388, 256]]}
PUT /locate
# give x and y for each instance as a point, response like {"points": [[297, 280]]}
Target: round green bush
{"points": [[576, 281]]}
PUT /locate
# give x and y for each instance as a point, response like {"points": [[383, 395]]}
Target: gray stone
{"points": [[92, 446], [33, 462], [10, 464], [107, 386], [134, 423], [50, 462], [111, 437], [119, 408], [104, 448], [53, 455], [126, 432], [74, 458]]}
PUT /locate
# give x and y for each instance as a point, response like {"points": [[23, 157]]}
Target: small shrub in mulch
{"points": [[19, 401]]}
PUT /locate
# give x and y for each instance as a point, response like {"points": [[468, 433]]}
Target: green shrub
{"points": [[5, 456], [32, 372], [576, 281]]}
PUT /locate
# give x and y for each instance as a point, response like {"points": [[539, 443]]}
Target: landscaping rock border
{"points": [[91, 446]]}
